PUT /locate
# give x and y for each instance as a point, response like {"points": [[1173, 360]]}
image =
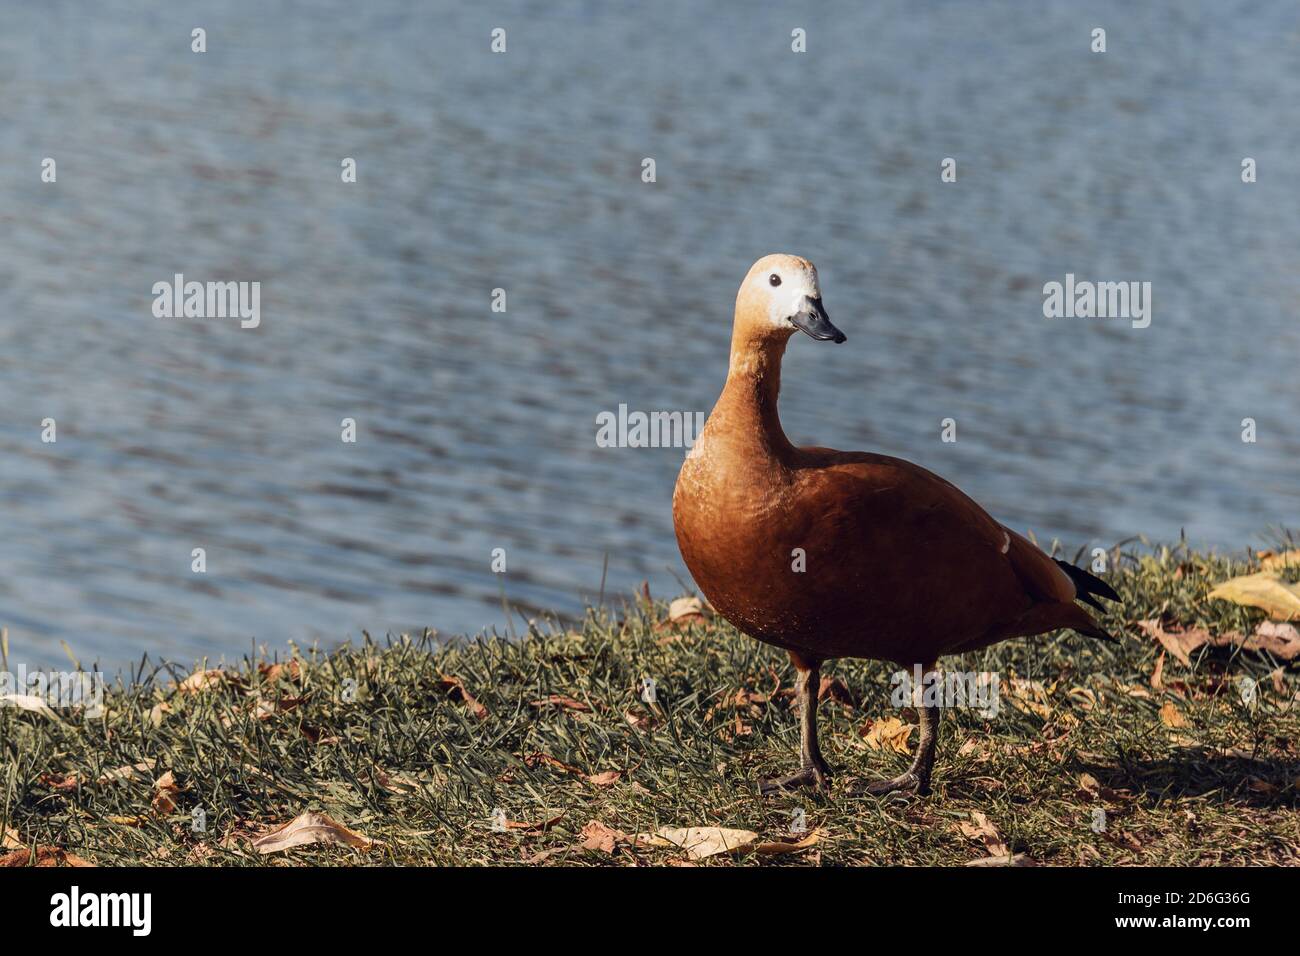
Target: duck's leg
{"points": [[917, 777], [813, 770]]}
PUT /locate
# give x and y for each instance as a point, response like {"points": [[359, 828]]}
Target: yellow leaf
{"points": [[889, 734], [702, 842], [1263, 590], [1275, 562]]}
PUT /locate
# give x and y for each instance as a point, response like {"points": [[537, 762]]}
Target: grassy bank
{"points": [[500, 752]]}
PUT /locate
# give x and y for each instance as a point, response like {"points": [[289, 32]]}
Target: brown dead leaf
{"points": [[703, 842], [319, 737], [396, 782], [1090, 787], [559, 700], [306, 829], [44, 856], [1265, 590], [984, 831], [539, 759], [265, 709], [539, 826], [1280, 640], [833, 688], [1029, 696], [159, 710], [1179, 643], [454, 687], [165, 790], [1171, 716], [605, 779], [288, 670], [204, 679], [600, 838], [640, 721], [888, 734], [779, 847]]}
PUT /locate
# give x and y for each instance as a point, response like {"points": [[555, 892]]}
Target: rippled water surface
{"points": [[522, 171]]}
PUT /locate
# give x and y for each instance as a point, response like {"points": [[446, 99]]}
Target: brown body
{"points": [[898, 564]]}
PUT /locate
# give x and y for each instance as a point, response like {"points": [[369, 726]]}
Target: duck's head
{"points": [[780, 295]]}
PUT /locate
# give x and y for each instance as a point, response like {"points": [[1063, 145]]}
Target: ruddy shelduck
{"points": [[847, 554]]}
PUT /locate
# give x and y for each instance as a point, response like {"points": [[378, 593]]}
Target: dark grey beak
{"points": [[813, 320]]}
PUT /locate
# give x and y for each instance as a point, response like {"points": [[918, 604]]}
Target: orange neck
{"points": [[749, 399]]}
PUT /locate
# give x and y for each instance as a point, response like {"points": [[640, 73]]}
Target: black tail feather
{"points": [[1087, 585]]}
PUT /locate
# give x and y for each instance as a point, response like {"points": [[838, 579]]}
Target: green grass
{"points": [[407, 761]]}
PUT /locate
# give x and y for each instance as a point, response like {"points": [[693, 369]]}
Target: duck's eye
{"points": [[774, 279]]}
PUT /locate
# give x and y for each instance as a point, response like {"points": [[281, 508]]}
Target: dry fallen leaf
{"points": [[126, 772], [640, 721], [1264, 590], [984, 831], [164, 801], [289, 670], [686, 610], [559, 700], [889, 734], [540, 826], [600, 838], [308, 828], [203, 679], [778, 847], [1280, 640], [28, 702], [702, 842], [833, 688], [266, 708], [45, 856], [1276, 562], [1029, 696], [1018, 859], [1171, 716], [539, 759], [606, 779], [455, 689], [1178, 643]]}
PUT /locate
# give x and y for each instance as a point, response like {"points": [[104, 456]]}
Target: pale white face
{"points": [[785, 284]]}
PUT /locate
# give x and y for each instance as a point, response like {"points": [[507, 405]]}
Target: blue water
{"points": [[522, 171]]}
